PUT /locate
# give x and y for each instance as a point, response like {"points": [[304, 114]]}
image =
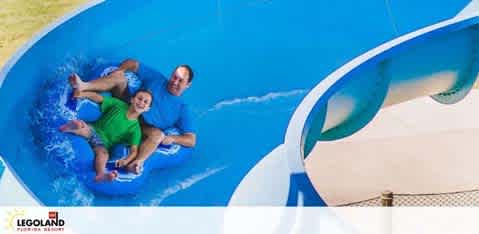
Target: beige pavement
{"points": [[418, 146]]}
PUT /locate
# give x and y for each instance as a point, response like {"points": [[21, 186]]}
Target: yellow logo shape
{"points": [[12, 216]]}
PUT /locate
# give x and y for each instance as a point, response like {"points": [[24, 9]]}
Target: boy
{"points": [[117, 124]]}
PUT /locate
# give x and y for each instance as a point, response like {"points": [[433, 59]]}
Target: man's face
{"points": [[141, 102], [178, 82]]}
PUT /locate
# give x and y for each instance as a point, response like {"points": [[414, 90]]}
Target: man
{"points": [[167, 109]]}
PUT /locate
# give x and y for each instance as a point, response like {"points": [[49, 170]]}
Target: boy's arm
{"points": [[134, 141], [132, 155], [90, 95]]}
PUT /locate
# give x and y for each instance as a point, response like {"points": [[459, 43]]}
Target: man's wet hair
{"points": [[145, 91], [190, 71]]}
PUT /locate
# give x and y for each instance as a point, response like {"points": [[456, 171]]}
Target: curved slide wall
{"points": [[253, 61], [441, 63], [438, 61]]}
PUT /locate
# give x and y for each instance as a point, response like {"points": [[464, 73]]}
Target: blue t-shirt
{"points": [[166, 110]]}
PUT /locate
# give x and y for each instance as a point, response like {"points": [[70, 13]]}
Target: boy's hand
{"points": [[121, 163]]}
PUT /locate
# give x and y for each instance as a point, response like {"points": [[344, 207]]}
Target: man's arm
{"points": [[185, 123], [187, 139], [90, 95]]}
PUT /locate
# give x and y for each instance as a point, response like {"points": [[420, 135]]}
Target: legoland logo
{"points": [[19, 222]]}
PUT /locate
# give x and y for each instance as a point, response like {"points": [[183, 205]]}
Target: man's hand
{"points": [[121, 163], [136, 166], [168, 140], [187, 139]]}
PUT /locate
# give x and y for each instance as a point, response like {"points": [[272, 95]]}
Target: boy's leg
{"points": [[101, 157], [154, 136], [77, 127], [120, 90], [129, 65], [115, 82]]}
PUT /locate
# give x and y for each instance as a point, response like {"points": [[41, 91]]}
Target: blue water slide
{"points": [[256, 63], [439, 60]]}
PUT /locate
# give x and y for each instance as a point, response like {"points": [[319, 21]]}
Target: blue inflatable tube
{"points": [[127, 182]]}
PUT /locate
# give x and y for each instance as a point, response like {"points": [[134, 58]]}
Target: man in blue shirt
{"points": [[167, 110]]}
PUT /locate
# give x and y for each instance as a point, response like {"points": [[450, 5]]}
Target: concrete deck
{"points": [[418, 146]]}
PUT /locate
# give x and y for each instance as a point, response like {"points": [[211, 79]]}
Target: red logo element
{"points": [[52, 214]]}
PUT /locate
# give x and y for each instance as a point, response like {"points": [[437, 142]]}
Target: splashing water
{"points": [[47, 114], [50, 111], [257, 99], [184, 184], [71, 192]]}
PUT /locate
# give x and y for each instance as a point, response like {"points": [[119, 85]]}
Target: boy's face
{"points": [[141, 102]]}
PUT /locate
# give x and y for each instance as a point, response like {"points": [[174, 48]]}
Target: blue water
{"points": [[254, 60]]}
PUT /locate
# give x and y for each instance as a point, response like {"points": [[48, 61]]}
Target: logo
{"points": [[53, 215], [18, 221], [11, 217]]}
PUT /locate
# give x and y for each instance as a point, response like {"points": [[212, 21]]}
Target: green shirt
{"points": [[114, 127]]}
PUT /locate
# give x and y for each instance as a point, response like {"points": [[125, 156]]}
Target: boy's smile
{"points": [[141, 102]]}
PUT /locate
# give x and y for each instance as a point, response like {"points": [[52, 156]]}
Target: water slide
{"points": [[418, 64], [270, 82]]}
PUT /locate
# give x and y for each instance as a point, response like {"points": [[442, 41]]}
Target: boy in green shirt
{"points": [[117, 124]]}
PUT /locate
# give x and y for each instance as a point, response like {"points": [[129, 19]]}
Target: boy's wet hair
{"points": [[145, 91]]}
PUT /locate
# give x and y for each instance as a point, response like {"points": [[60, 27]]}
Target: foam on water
{"points": [[50, 112], [71, 192], [257, 99], [184, 184], [47, 114]]}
